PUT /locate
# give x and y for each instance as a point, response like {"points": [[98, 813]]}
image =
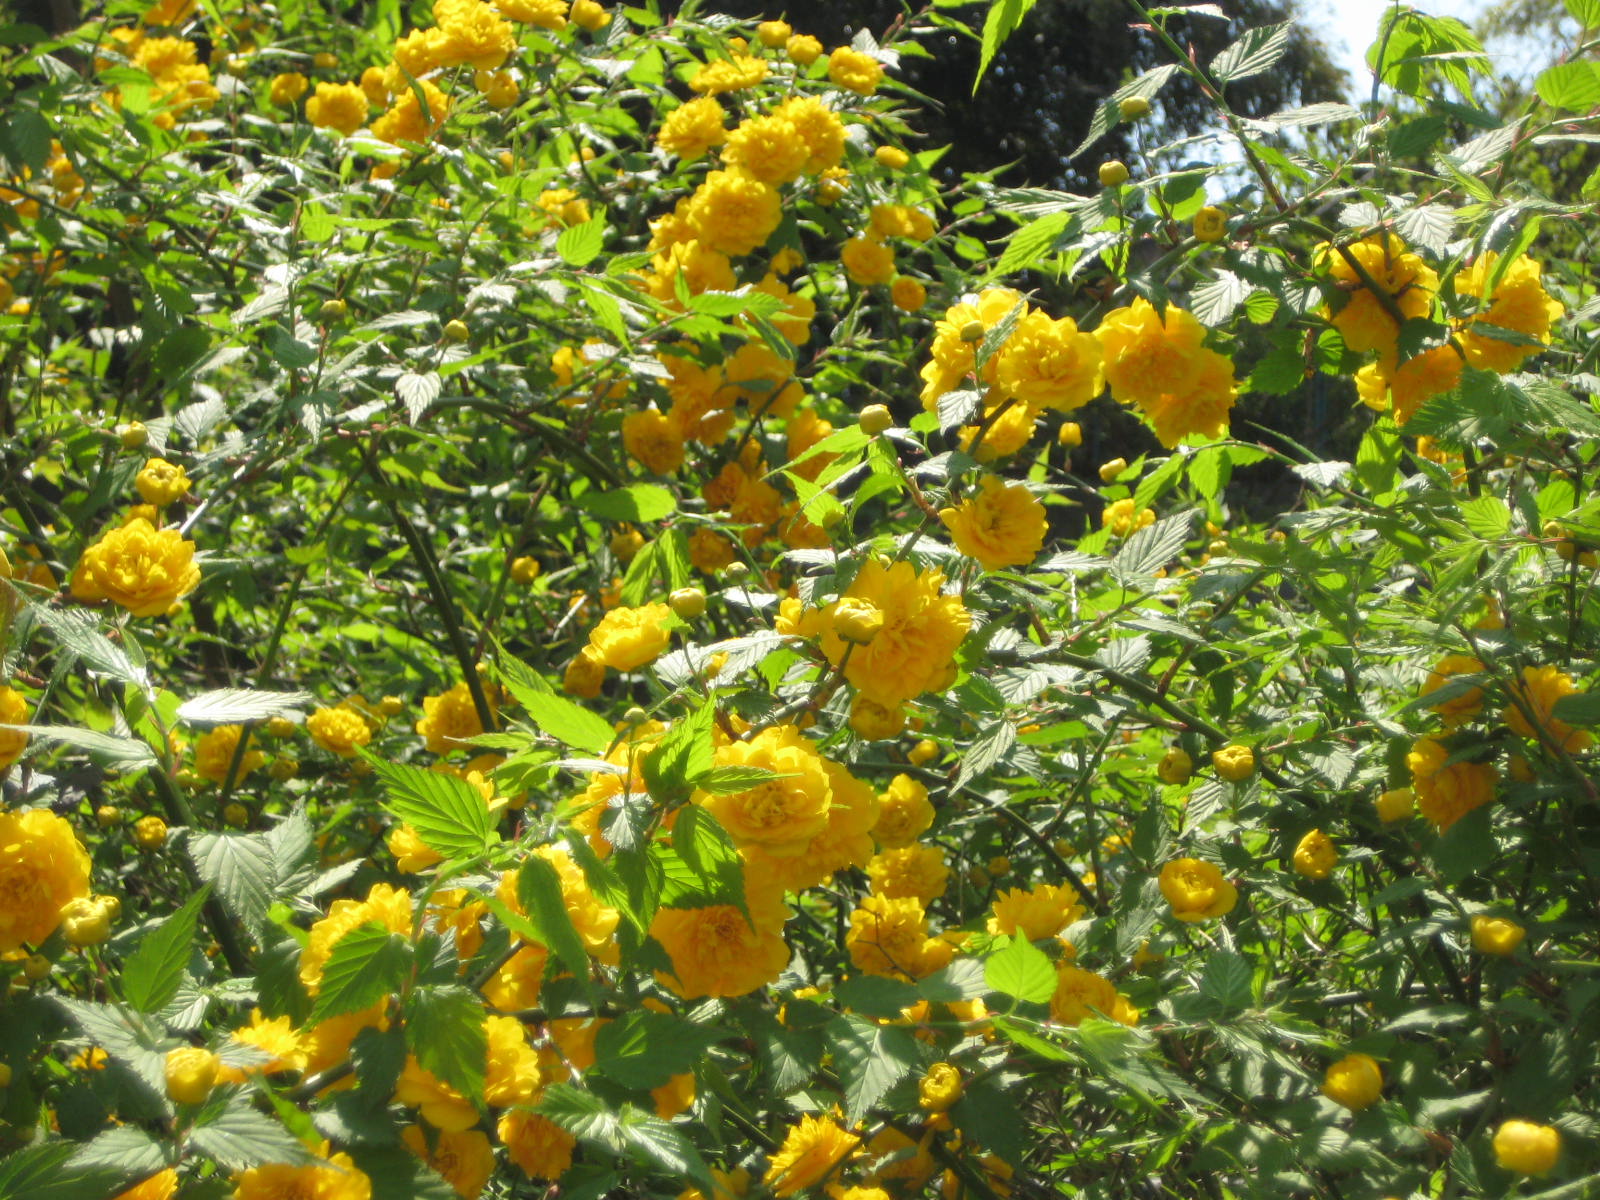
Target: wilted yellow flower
{"points": [[812, 1151], [1447, 791], [145, 570], [43, 868], [1002, 525], [1315, 855], [1540, 689], [1355, 1081], [1196, 889]]}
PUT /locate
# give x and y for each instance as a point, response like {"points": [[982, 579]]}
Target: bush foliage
{"points": [[559, 628]]}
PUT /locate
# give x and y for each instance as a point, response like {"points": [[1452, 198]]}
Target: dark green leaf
{"points": [[238, 1137], [367, 964], [539, 890], [643, 1050], [870, 1059], [449, 814], [708, 851], [683, 754], [152, 973], [445, 1031]]}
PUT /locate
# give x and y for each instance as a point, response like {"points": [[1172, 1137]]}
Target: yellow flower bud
{"points": [[1499, 936], [325, 60], [1355, 1081], [236, 815], [774, 34], [1110, 470], [924, 751], [1396, 804], [284, 769], [524, 570], [1210, 224], [1113, 174], [999, 866], [1234, 763], [875, 418], [5, 1075], [1525, 1147], [332, 310], [1070, 434], [687, 602], [133, 435], [108, 815], [857, 621], [973, 331], [36, 967], [1132, 108], [150, 833], [1175, 767], [940, 1088], [457, 331], [1315, 856], [85, 921], [891, 156], [191, 1074]]}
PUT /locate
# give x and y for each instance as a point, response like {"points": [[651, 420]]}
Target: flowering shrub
{"points": [[555, 631]]}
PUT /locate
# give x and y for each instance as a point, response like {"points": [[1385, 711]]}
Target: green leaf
{"points": [[1151, 548], [725, 781], [1487, 516], [539, 891], [580, 245], [1214, 302], [1585, 12], [870, 1060], [643, 1050], [1021, 970], [445, 1031], [1031, 242], [992, 743], [1226, 980], [126, 753], [1003, 18], [962, 980], [876, 995], [449, 814], [42, 1172], [580, 1113], [152, 973], [316, 223], [1466, 848], [227, 706], [641, 502], [27, 138], [1256, 52], [239, 866], [564, 720], [367, 964], [398, 1174], [708, 851], [1580, 708], [238, 1137], [664, 1145], [1574, 86], [1109, 113], [988, 1116], [683, 754]]}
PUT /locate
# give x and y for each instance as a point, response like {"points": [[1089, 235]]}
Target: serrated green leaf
{"points": [[643, 1050], [1574, 86], [664, 1146], [708, 851], [579, 245], [1151, 548], [445, 1031], [1257, 51], [1001, 21], [870, 1059], [876, 995], [683, 754], [239, 867], [564, 720], [1021, 970], [366, 965], [151, 974], [1226, 980], [449, 814], [238, 1137], [641, 502], [539, 891]]}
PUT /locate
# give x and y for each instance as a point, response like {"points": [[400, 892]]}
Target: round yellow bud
{"points": [[1234, 763], [133, 435], [1113, 174], [688, 602], [1355, 1081], [191, 1074], [635, 716], [36, 967], [325, 60], [112, 905], [999, 866], [360, 768], [924, 751], [1175, 766], [1210, 224], [1132, 108], [873, 722], [456, 331], [804, 49], [281, 727], [236, 815], [525, 570], [150, 833], [774, 34], [736, 570], [85, 921], [973, 331], [857, 621], [875, 418], [891, 156], [1110, 470], [1525, 1147], [625, 543], [1396, 804], [1499, 936], [1070, 434], [1063, 847], [391, 706], [108, 815], [940, 1088], [1315, 855], [284, 769], [332, 310]]}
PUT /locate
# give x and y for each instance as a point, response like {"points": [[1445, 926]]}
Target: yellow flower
{"points": [[564, 206], [1467, 702], [904, 813], [857, 621], [1499, 936], [339, 106], [191, 1073], [336, 1179], [854, 71], [388, 906], [43, 868], [1009, 431], [544, 14], [284, 91], [654, 439], [13, 711], [1405, 280], [87, 920], [150, 833], [214, 752], [160, 482], [728, 75], [594, 921], [339, 730], [733, 213], [1526, 1147], [449, 719], [872, 722], [589, 15], [774, 33], [803, 49], [867, 261], [917, 871], [769, 148], [1050, 364], [890, 937], [819, 127], [1234, 763], [163, 1185], [901, 220], [629, 638], [1122, 518], [463, 1157], [922, 630], [675, 1096], [1519, 303], [1082, 994], [1355, 1082], [405, 120], [443, 1106], [1210, 224], [908, 294], [691, 129], [1196, 890], [1003, 525], [1175, 766], [891, 156], [513, 1070], [1447, 791], [1540, 690], [782, 814], [1315, 855], [144, 570], [276, 1038], [1043, 912], [536, 1144], [1410, 385], [474, 35], [1396, 804], [1163, 367], [811, 1152], [716, 952], [584, 675], [940, 1088]]}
